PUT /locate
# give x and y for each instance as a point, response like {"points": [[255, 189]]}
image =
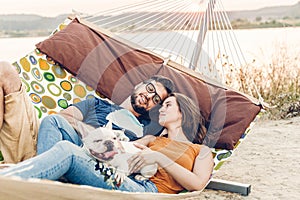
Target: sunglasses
{"points": [[151, 89]]}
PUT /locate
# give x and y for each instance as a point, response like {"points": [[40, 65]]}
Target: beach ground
{"points": [[268, 160]]}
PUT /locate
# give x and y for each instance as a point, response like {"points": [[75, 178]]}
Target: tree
{"points": [[258, 19]]}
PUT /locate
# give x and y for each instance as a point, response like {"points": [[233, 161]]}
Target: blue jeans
{"points": [[71, 161], [55, 128]]}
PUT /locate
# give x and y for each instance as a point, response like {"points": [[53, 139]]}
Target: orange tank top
{"points": [[182, 153]]}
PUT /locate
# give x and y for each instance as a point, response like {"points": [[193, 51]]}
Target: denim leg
{"points": [[64, 158], [132, 185], [68, 160], [53, 129]]}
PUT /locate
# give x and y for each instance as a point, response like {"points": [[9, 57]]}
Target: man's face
{"points": [[146, 96]]}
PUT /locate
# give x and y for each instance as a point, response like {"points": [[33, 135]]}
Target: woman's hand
{"points": [[145, 157]]}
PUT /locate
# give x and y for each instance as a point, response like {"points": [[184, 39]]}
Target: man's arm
{"points": [[74, 116]]}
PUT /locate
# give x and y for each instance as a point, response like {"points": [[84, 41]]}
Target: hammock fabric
{"points": [[79, 61], [114, 68]]}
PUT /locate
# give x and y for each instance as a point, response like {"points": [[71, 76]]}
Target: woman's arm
{"points": [[148, 138], [145, 140], [200, 175]]}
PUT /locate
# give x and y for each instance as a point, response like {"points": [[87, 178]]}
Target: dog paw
{"points": [[140, 177], [120, 176]]}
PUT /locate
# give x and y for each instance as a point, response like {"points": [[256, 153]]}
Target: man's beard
{"points": [[140, 110]]}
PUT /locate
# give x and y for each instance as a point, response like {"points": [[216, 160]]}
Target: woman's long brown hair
{"points": [[193, 124]]}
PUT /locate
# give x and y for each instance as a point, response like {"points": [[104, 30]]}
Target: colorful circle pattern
{"points": [[35, 98], [36, 74], [50, 87]]}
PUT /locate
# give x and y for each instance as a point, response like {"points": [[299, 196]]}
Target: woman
{"points": [[180, 118]]}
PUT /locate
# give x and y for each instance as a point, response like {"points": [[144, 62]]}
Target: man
{"points": [[15, 141]]}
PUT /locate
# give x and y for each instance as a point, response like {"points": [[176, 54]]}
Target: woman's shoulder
{"points": [[204, 151]]}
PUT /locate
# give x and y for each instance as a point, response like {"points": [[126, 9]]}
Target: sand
{"points": [[268, 159]]}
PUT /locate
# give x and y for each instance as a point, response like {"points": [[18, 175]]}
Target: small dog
{"points": [[112, 146]]}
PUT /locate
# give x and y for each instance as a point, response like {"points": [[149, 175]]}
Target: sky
{"points": [[52, 8]]}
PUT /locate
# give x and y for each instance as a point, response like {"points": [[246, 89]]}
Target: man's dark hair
{"points": [[166, 82]]}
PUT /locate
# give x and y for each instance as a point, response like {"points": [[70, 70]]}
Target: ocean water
{"points": [[12, 49], [258, 44]]}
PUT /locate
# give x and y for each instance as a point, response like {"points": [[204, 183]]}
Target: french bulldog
{"points": [[112, 146]]}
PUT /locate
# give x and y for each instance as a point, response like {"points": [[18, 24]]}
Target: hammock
{"points": [[82, 59], [196, 34]]}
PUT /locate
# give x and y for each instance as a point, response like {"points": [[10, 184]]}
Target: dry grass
{"points": [[277, 80]]}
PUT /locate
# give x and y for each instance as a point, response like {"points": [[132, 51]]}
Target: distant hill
{"points": [[20, 25], [275, 12], [27, 22]]}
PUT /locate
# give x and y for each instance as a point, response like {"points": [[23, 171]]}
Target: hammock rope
{"points": [[136, 16], [179, 38], [116, 10], [169, 16], [194, 33]]}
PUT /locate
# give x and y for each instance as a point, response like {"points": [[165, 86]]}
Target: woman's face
{"points": [[169, 113]]}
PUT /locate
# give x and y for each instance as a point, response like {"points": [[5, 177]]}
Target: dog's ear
{"points": [[109, 125]]}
